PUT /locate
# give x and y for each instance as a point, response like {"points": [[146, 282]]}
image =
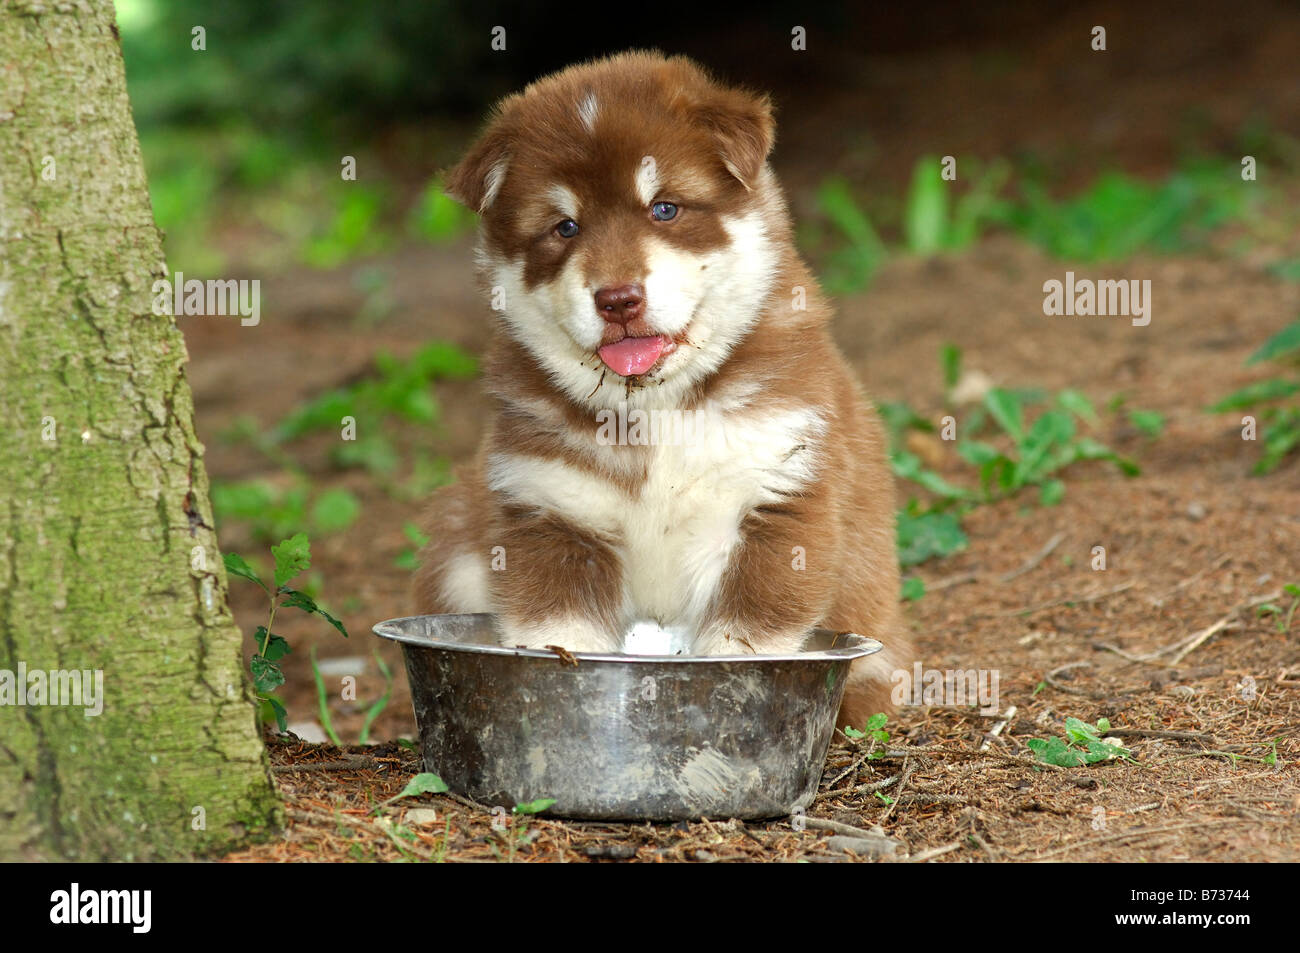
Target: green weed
{"points": [[292, 557], [1280, 418], [1081, 745]]}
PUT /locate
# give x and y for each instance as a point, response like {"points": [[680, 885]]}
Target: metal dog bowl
{"points": [[626, 737]]}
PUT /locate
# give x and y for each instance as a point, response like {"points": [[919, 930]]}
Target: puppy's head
{"points": [[626, 214]]}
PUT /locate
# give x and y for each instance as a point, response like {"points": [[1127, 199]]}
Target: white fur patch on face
{"points": [[496, 176], [564, 201], [557, 322], [647, 180], [714, 298], [587, 111]]}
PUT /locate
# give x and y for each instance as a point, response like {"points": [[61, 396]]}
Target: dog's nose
{"points": [[621, 304]]}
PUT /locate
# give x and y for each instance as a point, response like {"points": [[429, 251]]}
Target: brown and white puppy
{"points": [[638, 250]]}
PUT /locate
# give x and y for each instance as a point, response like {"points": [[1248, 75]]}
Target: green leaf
{"points": [[950, 360], [424, 783], [1274, 388], [1005, 406], [922, 536], [853, 733], [413, 534], [374, 710], [534, 807], [1078, 404], [978, 452], [1150, 422], [267, 676], [876, 721], [1286, 341], [908, 466], [276, 647], [322, 700], [269, 709], [913, 588], [925, 218], [1051, 492], [1055, 751], [237, 566], [292, 556], [296, 599], [1080, 731]]}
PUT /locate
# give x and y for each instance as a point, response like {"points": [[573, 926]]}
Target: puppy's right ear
{"points": [[476, 179]]}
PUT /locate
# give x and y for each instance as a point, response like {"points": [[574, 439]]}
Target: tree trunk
{"points": [[107, 557]]}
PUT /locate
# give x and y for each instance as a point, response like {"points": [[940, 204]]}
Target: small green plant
{"points": [[852, 266], [422, 783], [1281, 419], [1039, 450], [322, 701], [377, 707], [292, 557], [1026, 455], [534, 807], [875, 730], [929, 226], [1281, 613], [932, 221], [1082, 744], [927, 533]]}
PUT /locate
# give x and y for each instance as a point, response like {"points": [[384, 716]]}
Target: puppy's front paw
{"points": [[722, 638], [575, 635]]}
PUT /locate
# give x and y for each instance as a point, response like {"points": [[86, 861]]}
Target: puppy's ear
{"points": [[476, 179], [741, 124]]}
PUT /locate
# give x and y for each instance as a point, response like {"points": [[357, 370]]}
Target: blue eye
{"points": [[663, 211], [567, 228]]}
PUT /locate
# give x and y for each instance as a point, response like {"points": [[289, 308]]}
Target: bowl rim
{"points": [[855, 646]]}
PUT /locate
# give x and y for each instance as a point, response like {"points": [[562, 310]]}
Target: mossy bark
{"points": [[107, 557]]}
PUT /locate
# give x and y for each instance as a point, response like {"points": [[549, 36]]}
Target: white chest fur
{"points": [[676, 533]]}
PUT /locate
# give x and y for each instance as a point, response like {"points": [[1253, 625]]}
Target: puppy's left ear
{"points": [[476, 179], [741, 124]]}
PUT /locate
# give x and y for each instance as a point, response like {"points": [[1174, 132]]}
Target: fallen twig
{"points": [[997, 728], [1033, 562]]}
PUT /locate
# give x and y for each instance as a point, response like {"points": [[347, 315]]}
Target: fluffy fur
{"points": [[765, 506]]}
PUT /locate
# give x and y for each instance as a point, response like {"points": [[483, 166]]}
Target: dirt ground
{"points": [[1190, 544]]}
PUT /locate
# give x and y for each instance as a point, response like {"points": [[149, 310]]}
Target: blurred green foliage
{"points": [[1117, 216], [295, 66], [1120, 215]]}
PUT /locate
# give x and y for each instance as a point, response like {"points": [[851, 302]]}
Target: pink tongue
{"points": [[632, 356]]}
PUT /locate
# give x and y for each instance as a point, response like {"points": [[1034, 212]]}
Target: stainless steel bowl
{"points": [[626, 737]]}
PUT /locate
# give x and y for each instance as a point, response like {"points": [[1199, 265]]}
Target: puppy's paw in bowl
{"points": [[730, 638], [575, 635]]}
